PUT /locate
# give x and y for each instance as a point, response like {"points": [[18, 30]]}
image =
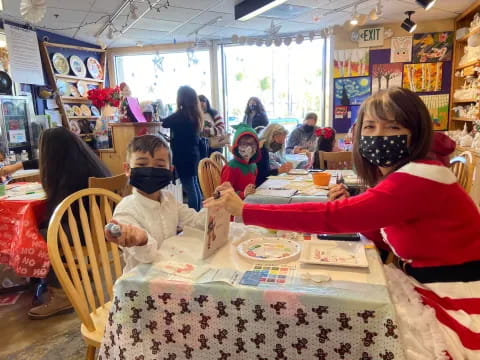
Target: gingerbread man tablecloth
{"points": [[154, 318]]}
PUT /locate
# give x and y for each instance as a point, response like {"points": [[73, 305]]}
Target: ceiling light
{"points": [[426, 4], [133, 11], [408, 24], [354, 19], [248, 9], [1, 5], [376, 12], [110, 32]]}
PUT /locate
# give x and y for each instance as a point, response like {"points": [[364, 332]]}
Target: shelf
{"points": [[465, 38], [16, 115], [73, 99], [463, 119], [83, 117], [85, 135], [471, 63], [465, 101], [77, 78]]}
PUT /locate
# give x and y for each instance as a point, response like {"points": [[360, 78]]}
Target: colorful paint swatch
{"points": [[274, 274], [423, 77]]}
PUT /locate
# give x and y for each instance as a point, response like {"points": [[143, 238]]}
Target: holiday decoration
{"points": [[33, 11], [106, 96]]}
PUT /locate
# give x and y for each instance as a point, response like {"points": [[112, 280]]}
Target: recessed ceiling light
{"points": [[248, 9], [426, 4]]}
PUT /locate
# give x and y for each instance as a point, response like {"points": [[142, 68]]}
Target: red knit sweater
{"points": [[425, 216]]}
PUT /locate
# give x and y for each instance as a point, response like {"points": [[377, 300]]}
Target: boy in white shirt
{"points": [[150, 215]]}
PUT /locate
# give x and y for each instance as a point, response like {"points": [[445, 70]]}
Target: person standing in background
{"points": [[213, 126], [255, 114], [186, 124], [303, 138]]}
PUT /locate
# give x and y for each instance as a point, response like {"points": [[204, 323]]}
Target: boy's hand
{"points": [[249, 189], [131, 235], [285, 168]]}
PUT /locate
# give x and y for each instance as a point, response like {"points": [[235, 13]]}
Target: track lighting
{"points": [[376, 12], [408, 24], [110, 33], [133, 11], [354, 19], [426, 4]]}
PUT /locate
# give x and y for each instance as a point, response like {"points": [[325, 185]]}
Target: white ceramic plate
{"points": [[330, 252], [298, 172], [269, 249], [77, 66]]}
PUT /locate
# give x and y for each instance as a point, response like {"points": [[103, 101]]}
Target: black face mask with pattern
{"points": [[384, 151]]}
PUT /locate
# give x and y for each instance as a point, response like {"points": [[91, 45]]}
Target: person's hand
{"points": [[285, 168], [131, 235], [224, 186], [228, 200], [337, 192], [249, 189], [8, 170], [297, 150]]}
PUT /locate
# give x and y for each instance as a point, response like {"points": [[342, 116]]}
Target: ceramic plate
{"points": [[82, 88], [298, 172], [269, 249], [68, 110], [74, 91], [330, 252], [74, 127], [77, 65], [76, 110], [60, 64], [63, 88], [95, 111], [85, 110], [94, 68]]}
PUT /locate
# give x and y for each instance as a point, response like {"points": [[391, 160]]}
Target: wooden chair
{"points": [[219, 159], [208, 176], [117, 184], [89, 266], [462, 167], [341, 160]]}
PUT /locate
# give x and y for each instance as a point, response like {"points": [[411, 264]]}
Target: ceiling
{"points": [[81, 19]]}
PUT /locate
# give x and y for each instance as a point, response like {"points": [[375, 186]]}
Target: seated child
{"points": [[150, 215], [242, 170], [326, 142]]}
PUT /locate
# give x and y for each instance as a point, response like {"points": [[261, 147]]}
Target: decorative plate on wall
{"points": [[94, 68], [60, 64], [77, 65]]}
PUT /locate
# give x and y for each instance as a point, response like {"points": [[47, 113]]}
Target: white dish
{"points": [[298, 172], [330, 252], [269, 249]]}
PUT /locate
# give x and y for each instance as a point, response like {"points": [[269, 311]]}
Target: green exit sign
{"points": [[370, 37]]}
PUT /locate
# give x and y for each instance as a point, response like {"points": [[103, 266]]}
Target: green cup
{"points": [[3, 189]]}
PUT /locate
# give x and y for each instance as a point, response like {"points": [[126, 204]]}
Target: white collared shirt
{"points": [[159, 219]]}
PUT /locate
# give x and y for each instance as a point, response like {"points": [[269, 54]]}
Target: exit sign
{"points": [[370, 37]]}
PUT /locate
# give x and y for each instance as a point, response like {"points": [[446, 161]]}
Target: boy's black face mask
{"points": [[150, 179]]}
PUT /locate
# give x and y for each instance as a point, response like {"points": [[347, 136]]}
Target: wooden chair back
{"points": [[219, 159], [208, 176], [342, 160], [462, 167], [88, 277], [117, 184]]}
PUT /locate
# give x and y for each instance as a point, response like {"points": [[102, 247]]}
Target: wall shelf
{"points": [[463, 119], [471, 33], [77, 78], [83, 117], [465, 101], [471, 63]]}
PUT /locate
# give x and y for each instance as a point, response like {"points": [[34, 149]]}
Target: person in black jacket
{"points": [[273, 161], [255, 114], [186, 124]]}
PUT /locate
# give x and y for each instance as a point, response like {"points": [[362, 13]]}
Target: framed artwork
{"points": [[351, 91], [432, 47], [423, 77], [401, 49], [386, 75], [344, 117], [438, 107], [350, 63]]}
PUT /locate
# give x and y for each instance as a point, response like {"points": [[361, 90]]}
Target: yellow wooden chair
{"points": [[87, 270], [462, 167], [208, 176], [341, 160], [219, 159], [118, 184]]}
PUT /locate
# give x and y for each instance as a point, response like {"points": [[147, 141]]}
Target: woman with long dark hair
{"points": [[66, 163], [186, 124], [213, 126], [255, 114]]}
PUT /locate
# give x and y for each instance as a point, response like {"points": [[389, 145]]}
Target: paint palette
{"points": [[269, 249], [272, 274]]}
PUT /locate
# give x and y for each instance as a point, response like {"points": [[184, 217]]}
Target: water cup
{"points": [[3, 189], [321, 178]]}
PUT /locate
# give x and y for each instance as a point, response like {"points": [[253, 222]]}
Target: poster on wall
{"points": [[423, 77], [344, 117], [385, 76], [350, 63], [401, 49], [438, 107], [25, 62], [432, 47], [352, 91]]}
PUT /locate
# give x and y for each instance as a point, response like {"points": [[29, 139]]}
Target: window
{"points": [[289, 80], [158, 76]]}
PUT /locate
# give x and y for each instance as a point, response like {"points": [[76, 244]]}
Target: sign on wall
{"points": [[371, 37]]}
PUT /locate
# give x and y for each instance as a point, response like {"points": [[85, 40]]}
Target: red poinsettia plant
{"points": [[327, 132], [105, 96]]}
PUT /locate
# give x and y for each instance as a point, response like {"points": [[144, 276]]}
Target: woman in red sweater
{"points": [[424, 215]]}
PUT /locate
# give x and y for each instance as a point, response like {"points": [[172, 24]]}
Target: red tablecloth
{"points": [[21, 245]]}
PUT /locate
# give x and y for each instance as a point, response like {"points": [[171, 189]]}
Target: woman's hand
{"points": [[249, 189], [337, 192], [228, 200], [10, 169], [285, 168], [131, 235]]}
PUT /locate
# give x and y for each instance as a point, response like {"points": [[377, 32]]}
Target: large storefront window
{"points": [[158, 76], [289, 80]]}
